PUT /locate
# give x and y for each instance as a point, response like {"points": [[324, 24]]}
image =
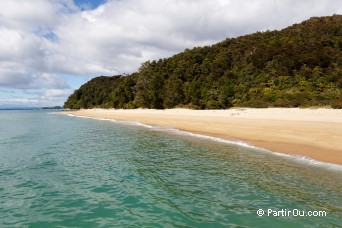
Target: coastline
{"points": [[313, 133]]}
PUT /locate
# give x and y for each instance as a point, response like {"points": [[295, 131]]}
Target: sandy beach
{"points": [[314, 133]]}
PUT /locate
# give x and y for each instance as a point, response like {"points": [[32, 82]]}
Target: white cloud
{"points": [[15, 45], [37, 98], [13, 76], [55, 94], [41, 39], [26, 15], [21, 101], [23, 25]]}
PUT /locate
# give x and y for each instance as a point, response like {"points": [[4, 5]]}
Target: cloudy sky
{"points": [[48, 48]]}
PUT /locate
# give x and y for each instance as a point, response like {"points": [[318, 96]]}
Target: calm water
{"points": [[62, 171]]}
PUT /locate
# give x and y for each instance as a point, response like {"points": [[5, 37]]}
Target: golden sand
{"points": [[314, 133]]}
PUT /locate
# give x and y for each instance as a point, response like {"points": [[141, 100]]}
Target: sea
{"points": [[66, 171]]}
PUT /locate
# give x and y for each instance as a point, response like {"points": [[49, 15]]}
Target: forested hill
{"points": [[297, 66]]}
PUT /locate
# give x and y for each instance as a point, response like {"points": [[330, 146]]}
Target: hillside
{"points": [[299, 66]]}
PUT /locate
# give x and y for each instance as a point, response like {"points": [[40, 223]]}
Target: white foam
{"points": [[297, 158], [112, 120], [239, 143], [134, 123], [306, 160]]}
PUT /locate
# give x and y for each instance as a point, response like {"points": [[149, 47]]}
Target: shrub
{"points": [[337, 104], [189, 106], [256, 104]]}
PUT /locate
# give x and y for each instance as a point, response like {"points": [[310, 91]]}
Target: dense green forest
{"points": [[300, 66]]}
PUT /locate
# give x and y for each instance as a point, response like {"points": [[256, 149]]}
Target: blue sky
{"points": [[48, 48], [88, 4]]}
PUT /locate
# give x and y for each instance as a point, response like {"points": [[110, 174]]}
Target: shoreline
{"points": [[313, 133]]}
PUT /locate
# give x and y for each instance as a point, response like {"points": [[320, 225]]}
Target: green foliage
{"points": [[336, 104], [188, 106], [299, 66], [103, 92]]}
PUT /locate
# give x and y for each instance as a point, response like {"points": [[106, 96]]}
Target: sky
{"points": [[49, 48]]}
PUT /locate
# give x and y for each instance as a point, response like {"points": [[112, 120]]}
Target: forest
{"points": [[299, 66]]}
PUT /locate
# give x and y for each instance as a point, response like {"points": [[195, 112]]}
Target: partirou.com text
{"points": [[290, 212]]}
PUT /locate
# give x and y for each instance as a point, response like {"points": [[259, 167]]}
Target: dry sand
{"points": [[314, 133]]}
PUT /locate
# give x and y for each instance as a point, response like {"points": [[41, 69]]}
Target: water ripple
{"points": [[92, 173]]}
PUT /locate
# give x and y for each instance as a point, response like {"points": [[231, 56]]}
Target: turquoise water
{"points": [[62, 171]]}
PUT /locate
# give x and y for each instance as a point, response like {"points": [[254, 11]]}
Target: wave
{"points": [[297, 158]]}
